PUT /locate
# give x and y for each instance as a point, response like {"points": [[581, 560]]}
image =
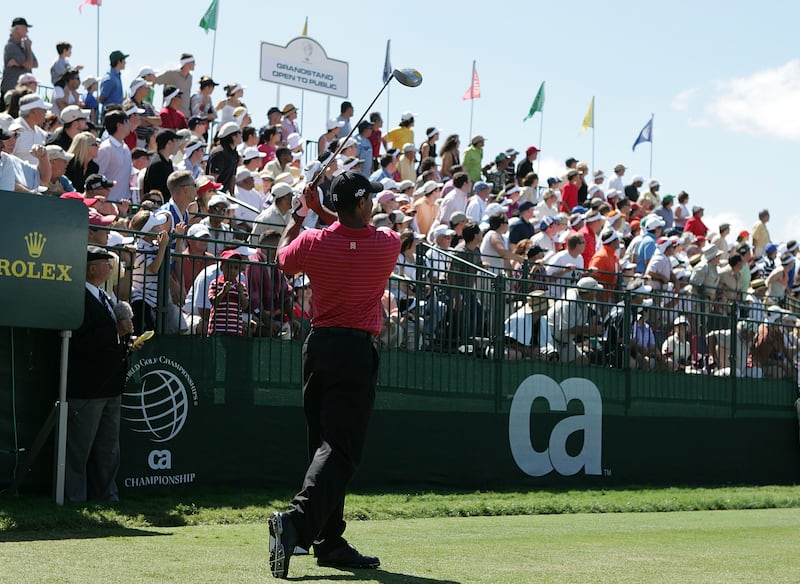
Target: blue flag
{"points": [[387, 64], [646, 135]]}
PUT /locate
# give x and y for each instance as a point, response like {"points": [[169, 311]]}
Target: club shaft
{"points": [[344, 140]]}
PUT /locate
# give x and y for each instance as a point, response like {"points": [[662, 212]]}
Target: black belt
{"points": [[343, 331]]}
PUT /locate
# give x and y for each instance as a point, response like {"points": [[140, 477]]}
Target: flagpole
{"points": [[472, 98], [98, 40], [541, 126], [651, 144], [213, 50], [302, 109]]}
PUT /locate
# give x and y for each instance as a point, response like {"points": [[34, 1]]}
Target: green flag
{"points": [[538, 103], [209, 20]]}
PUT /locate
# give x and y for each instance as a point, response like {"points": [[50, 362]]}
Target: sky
{"points": [[722, 79]]}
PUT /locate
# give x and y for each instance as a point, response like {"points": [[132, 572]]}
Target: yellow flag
{"points": [[305, 28], [588, 119]]}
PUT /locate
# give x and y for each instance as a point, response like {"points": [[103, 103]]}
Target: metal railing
{"points": [[452, 329]]}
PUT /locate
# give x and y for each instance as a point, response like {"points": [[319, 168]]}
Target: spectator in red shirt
{"points": [[569, 193], [606, 262], [171, 116], [593, 223], [695, 223]]}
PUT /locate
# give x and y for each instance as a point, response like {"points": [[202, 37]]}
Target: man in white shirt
{"points": [[32, 110], [616, 182], [565, 267], [476, 206], [114, 156]]}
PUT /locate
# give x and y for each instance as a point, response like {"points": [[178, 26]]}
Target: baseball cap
{"points": [[198, 230], [228, 129], [480, 186], [281, 189], [525, 206], [330, 125], [73, 112], [116, 56], [348, 187], [406, 116], [98, 181], [589, 283], [531, 149], [56, 152]]}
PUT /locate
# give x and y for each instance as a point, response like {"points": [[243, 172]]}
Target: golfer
{"points": [[349, 264]]}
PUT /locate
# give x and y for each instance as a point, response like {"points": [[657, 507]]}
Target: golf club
{"points": [[405, 76]]}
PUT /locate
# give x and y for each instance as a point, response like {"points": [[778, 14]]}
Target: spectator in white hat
{"points": [[570, 318], [194, 258], [632, 190], [705, 277], [32, 111], [149, 118], [217, 223], [651, 225], [407, 164], [58, 183], [332, 129], [74, 120], [402, 134], [181, 78], [659, 268], [224, 159], [425, 206], [246, 192], [276, 215], [606, 263]]}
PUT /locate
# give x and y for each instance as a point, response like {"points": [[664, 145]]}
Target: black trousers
{"points": [[340, 368]]}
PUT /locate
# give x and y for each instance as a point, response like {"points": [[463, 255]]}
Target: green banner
{"points": [[43, 262]]}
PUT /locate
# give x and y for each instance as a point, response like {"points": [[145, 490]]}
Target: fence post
{"points": [[626, 349], [734, 317], [163, 298], [499, 339]]}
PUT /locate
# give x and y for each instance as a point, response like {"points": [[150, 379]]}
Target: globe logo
{"points": [[159, 407]]}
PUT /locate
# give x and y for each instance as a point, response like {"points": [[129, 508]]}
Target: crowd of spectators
{"points": [[200, 191]]}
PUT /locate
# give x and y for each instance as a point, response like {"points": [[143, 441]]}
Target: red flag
{"points": [[90, 3], [474, 89]]}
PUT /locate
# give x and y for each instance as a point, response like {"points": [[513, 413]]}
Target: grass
{"points": [[724, 534], [703, 546], [226, 506]]}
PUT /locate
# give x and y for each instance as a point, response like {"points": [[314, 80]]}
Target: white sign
{"points": [[303, 63], [556, 457]]}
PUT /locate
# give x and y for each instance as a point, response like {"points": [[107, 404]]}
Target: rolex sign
{"points": [[43, 262]]}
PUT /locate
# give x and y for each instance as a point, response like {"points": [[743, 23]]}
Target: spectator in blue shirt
{"points": [[111, 85], [364, 150]]}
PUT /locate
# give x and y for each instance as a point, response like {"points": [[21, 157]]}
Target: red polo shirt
{"points": [[173, 119], [348, 269]]}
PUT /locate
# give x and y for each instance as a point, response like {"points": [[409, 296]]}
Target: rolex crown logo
{"points": [[35, 242]]}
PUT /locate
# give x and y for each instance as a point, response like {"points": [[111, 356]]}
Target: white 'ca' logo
{"points": [[555, 457]]}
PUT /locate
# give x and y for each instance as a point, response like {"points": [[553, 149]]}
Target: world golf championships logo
{"points": [[156, 398]]}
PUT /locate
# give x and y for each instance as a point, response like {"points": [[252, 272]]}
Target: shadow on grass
{"points": [[381, 576], [82, 533]]}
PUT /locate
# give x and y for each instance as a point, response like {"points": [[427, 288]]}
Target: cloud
{"points": [[681, 101], [763, 104]]}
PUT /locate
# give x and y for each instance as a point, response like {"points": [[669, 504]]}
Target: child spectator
{"points": [[228, 297], [151, 246]]}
